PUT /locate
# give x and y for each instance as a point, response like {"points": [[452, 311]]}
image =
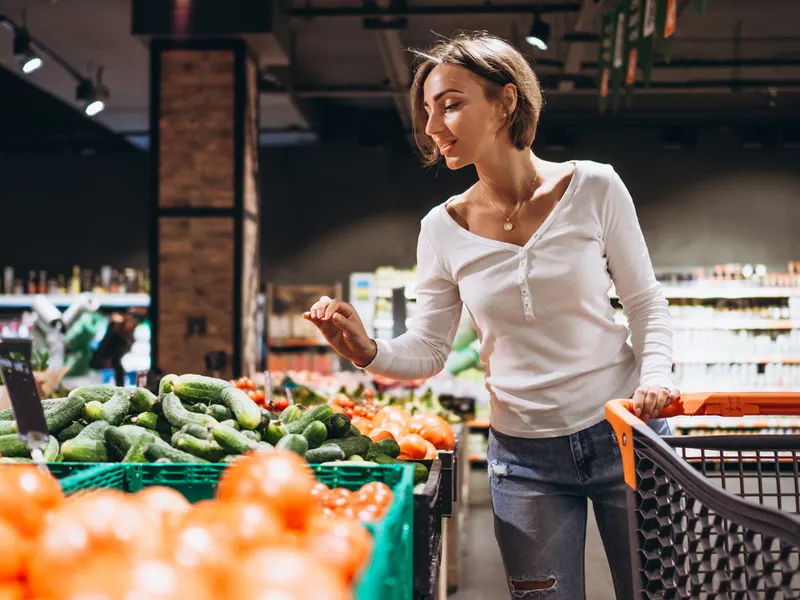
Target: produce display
{"points": [[271, 532], [197, 419]]}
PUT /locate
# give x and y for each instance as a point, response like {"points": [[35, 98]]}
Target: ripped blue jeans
{"points": [[539, 495]]}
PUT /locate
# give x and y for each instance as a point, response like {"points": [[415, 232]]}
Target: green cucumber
{"points": [[246, 412], [231, 423], [294, 442], [265, 447], [135, 432], [7, 427], [234, 442], [226, 460], [209, 450], [387, 447], [159, 450], [178, 416], [64, 414], [20, 460], [114, 410], [142, 400], [84, 449], [219, 412], [70, 432], [13, 447], [93, 411], [94, 431], [325, 454], [351, 446], [420, 470], [199, 388], [274, 432], [354, 432], [252, 434], [7, 414], [165, 385], [198, 431], [51, 450], [195, 407], [117, 442], [148, 420], [96, 393], [338, 426], [315, 433], [291, 413], [136, 453], [322, 413]]}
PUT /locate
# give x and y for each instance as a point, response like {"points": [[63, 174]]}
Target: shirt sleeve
{"points": [[642, 297], [423, 350]]}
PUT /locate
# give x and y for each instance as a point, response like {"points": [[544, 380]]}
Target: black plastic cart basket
{"points": [[713, 516]]}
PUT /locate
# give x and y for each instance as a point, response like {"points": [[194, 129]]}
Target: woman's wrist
{"points": [[369, 355]]}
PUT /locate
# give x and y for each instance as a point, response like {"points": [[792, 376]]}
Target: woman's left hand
{"points": [[649, 401]]}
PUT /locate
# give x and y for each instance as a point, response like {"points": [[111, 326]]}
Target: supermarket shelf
{"points": [[724, 292], [729, 324], [763, 360], [106, 300]]}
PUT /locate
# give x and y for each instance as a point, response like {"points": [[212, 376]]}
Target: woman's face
{"points": [[462, 121]]}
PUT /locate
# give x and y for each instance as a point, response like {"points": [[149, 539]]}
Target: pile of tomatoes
{"points": [[420, 436], [259, 395], [271, 528], [366, 407]]}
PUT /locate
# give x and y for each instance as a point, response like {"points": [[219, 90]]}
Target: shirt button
{"points": [[524, 292]]}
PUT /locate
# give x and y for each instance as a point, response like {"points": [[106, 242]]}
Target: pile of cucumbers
{"points": [[193, 419]]}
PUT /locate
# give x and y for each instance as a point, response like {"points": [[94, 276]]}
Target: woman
{"points": [[531, 250]]}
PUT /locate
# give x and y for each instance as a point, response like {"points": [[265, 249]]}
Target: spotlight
{"points": [[23, 52], [539, 35], [92, 94]]}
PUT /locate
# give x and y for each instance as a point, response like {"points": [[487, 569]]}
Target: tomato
{"points": [[280, 479], [199, 549], [37, 491], [378, 435], [12, 590], [390, 414], [320, 491], [14, 556], [362, 424], [341, 543], [280, 403], [337, 498], [434, 429], [398, 430], [432, 452], [166, 504], [247, 525], [413, 445]]}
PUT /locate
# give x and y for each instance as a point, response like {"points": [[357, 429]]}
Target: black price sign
{"points": [[21, 387]]}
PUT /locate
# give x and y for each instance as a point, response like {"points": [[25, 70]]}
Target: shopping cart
{"points": [[713, 516]]}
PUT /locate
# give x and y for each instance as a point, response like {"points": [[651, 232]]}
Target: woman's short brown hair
{"points": [[498, 64]]}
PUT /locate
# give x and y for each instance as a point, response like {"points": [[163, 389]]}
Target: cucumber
{"points": [[148, 420], [354, 432], [20, 460], [136, 453], [178, 416], [338, 426], [294, 442], [387, 447], [231, 423], [64, 413], [315, 433], [322, 413], [246, 412], [209, 450], [114, 410], [135, 432], [352, 446], [160, 461], [199, 388], [324, 454], [51, 450], [165, 385], [7, 427], [420, 470], [356, 459], [226, 460], [96, 393], [219, 412], [274, 432], [291, 413], [70, 432], [159, 450], [252, 434], [7, 414], [93, 411], [142, 400], [234, 442], [13, 447], [94, 431], [198, 431], [118, 442], [265, 447], [195, 407], [84, 449]]}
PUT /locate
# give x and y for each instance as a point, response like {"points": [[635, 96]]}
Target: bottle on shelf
{"points": [[32, 287], [75, 282], [42, 282], [8, 280]]}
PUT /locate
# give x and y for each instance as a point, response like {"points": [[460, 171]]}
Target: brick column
{"points": [[205, 244]]}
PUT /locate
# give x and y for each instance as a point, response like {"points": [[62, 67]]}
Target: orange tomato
{"points": [[199, 549], [414, 446], [13, 556], [432, 452], [378, 435], [280, 479], [12, 590], [246, 524], [362, 424], [434, 429], [341, 543], [398, 430], [337, 498], [320, 491], [27, 486], [166, 504], [390, 414], [290, 574]]}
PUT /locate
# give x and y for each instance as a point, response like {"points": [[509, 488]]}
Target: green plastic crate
{"points": [[390, 573], [86, 476]]}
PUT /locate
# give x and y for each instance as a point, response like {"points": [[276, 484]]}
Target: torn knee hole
{"points": [[498, 469], [529, 585]]}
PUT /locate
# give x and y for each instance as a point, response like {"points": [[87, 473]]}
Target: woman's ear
{"points": [[509, 99]]}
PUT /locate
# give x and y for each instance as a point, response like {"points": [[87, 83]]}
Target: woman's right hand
{"points": [[342, 327]]}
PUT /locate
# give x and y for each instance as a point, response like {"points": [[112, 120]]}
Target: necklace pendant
{"points": [[508, 226]]}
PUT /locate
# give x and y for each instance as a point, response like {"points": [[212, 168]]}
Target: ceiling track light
{"points": [[92, 94], [539, 35], [24, 54]]}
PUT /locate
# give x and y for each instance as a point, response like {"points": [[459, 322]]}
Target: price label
{"points": [[21, 387]]}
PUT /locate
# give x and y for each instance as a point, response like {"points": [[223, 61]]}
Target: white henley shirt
{"points": [[553, 350]]}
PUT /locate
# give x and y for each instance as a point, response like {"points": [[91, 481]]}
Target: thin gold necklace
{"points": [[508, 226]]}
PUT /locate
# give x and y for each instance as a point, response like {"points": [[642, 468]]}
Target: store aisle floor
{"points": [[482, 576]]}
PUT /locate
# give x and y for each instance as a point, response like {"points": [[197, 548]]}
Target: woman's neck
{"points": [[509, 177]]}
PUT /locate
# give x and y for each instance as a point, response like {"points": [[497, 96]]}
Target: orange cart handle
{"points": [[734, 404]]}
